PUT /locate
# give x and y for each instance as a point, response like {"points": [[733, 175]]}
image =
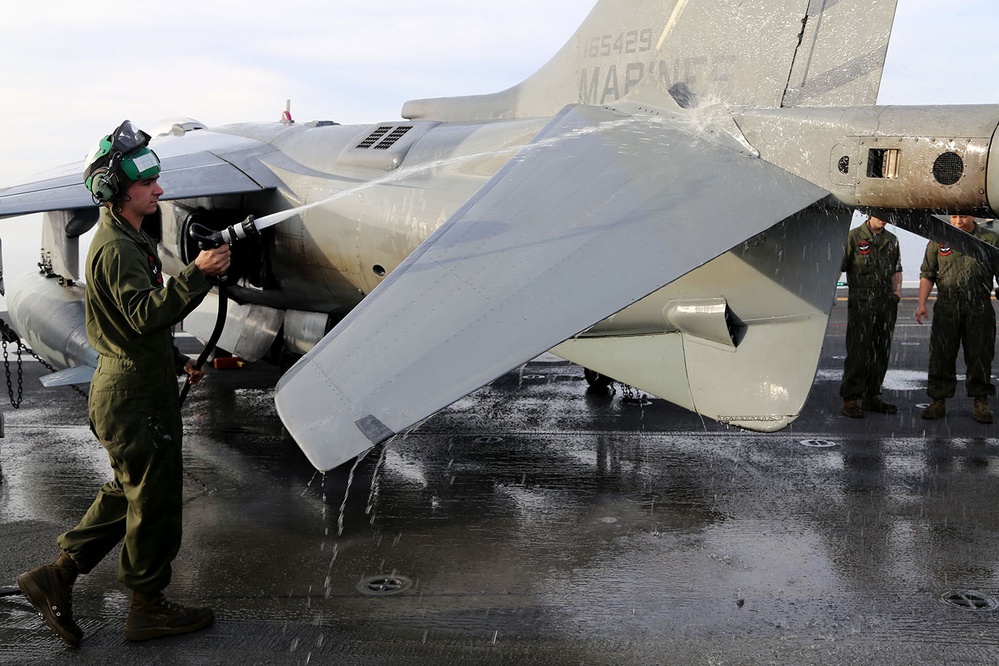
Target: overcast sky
{"points": [[72, 70]]}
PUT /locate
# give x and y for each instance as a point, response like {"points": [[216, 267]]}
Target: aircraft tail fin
{"points": [[761, 54]]}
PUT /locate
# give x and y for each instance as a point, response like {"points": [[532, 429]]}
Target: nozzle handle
{"points": [[206, 238]]}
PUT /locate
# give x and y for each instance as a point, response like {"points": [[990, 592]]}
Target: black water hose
{"points": [[208, 239], [212, 341]]}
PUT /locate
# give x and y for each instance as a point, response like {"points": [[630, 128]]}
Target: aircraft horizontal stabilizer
{"points": [[934, 228], [600, 210]]}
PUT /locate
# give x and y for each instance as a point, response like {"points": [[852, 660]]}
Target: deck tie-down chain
{"points": [[10, 337]]}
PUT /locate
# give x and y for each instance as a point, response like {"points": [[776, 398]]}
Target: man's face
{"points": [[963, 222], [142, 197], [876, 224]]}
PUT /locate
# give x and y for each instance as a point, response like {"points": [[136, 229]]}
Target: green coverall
{"points": [[134, 405], [870, 263], [962, 316]]}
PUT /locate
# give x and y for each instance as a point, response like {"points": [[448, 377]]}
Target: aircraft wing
{"points": [[199, 163], [598, 211], [934, 228]]}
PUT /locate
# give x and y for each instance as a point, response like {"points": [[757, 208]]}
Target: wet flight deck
{"points": [[536, 523]]}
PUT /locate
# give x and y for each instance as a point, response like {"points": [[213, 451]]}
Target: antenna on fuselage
{"points": [[286, 118]]}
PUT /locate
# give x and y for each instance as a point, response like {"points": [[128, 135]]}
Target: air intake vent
{"points": [[384, 137], [374, 136], [393, 136], [383, 146], [948, 168]]}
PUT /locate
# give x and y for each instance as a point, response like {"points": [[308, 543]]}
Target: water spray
{"points": [[252, 226]]}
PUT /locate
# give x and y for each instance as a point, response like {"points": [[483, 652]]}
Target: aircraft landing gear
{"points": [[596, 381]]}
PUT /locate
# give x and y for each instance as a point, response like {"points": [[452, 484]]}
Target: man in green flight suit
{"points": [[962, 316], [134, 401], [872, 263]]}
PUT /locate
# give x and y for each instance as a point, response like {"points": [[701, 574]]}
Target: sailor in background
{"points": [[873, 266], [962, 317]]}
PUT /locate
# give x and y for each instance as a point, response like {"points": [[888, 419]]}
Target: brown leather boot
{"points": [[852, 409], [152, 616], [49, 588], [936, 410], [876, 404], [982, 412]]}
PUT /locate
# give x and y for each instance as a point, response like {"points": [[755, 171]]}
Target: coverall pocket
{"points": [[120, 415], [128, 408]]}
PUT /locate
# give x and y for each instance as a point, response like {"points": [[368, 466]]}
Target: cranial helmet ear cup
{"points": [[103, 184]]}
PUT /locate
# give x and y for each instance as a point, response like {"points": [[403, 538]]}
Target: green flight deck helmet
{"points": [[118, 159]]}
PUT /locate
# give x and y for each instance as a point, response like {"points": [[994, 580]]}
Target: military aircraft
{"points": [[665, 203]]}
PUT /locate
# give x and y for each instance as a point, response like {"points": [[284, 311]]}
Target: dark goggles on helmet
{"points": [[128, 138]]}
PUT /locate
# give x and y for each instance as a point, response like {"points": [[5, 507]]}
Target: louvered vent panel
{"points": [[393, 136], [374, 136]]}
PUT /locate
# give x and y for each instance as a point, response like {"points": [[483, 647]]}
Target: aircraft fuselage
{"points": [[371, 194]]}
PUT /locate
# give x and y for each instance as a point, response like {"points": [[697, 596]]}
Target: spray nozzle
{"points": [[208, 238]]}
